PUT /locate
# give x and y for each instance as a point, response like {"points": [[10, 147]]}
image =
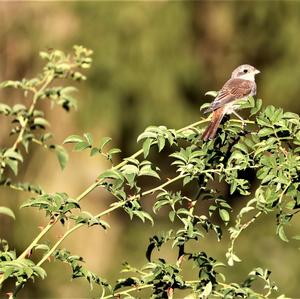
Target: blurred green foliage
{"points": [[143, 67]]}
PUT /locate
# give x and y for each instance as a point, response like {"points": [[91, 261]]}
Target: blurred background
{"points": [[153, 62]]}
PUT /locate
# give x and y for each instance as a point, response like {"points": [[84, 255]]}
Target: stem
{"points": [[30, 111], [195, 124], [137, 288], [35, 241], [191, 282], [51, 224], [14, 147], [225, 285], [120, 165], [86, 191], [160, 186], [116, 206], [245, 225]]}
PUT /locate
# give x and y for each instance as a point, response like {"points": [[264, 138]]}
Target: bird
{"points": [[240, 86]]}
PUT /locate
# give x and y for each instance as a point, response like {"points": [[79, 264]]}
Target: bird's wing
{"points": [[233, 89]]}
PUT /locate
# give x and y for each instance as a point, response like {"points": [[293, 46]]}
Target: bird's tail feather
{"points": [[211, 130]]}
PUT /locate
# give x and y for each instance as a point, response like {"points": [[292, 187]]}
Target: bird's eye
{"points": [[245, 71]]}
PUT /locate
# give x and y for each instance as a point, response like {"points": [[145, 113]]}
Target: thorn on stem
{"points": [[170, 292], [29, 253], [179, 260], [190, 204]]}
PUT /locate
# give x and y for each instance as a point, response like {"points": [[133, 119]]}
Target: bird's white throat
{"points": [[248, 76]]}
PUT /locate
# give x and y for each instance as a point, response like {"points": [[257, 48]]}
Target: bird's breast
{"points": [[232, 106]]}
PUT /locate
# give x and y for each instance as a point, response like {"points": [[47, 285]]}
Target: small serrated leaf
{"points": [[281, 233], [224, 215], [39, 121], [89, 138], [103, 142], [13, 165], [80, 146], [146, 146], [161, 141], [211, 93], [10, 153], [62, 156], [73, 139]]}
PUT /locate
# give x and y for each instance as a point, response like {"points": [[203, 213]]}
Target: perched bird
{"points": [[240, 86]]}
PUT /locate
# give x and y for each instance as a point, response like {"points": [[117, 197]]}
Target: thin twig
{"points": [[101, 214]]}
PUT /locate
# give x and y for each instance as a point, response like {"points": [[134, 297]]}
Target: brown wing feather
{"points": [[233, 89]]}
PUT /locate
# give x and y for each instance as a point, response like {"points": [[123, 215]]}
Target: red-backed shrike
{"points": [[240, 86]]}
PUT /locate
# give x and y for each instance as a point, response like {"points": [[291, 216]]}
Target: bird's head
{"points": [[245, 71]]}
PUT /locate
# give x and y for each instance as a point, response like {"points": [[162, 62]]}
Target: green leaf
{"points": [[148, 171], [207, 289], [44, 55], [113, 151], [130, 169], [146, 146], [186, 180], [245, 210], [94, 151], [161, 141], [39, 121], [146, 134], [241, 147], [69, 89], [10, 153], [112, 174], [10, 83], [13, 165], [62, 156], [5, 109], [40, 272], [211, 93], [265, 132], [224, 215], [172, 215], [89, 138], [80, 146], [103, 142], [73, 139], [8, 212], [281, 233], [257, 107]]}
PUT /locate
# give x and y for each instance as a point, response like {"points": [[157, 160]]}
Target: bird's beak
{"points": [[256, 72]]}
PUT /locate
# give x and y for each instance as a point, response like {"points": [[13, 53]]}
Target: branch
{"points": [[101, 214], [96, 184], [136, 288], [31, 109]]}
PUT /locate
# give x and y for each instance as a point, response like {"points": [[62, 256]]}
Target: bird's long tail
{"points": [[211, 130]]}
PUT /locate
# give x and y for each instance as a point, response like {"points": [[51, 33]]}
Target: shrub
{"points": [[268, 147]]}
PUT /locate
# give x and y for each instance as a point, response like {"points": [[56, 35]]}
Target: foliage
{"points": [[268, 147]]}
